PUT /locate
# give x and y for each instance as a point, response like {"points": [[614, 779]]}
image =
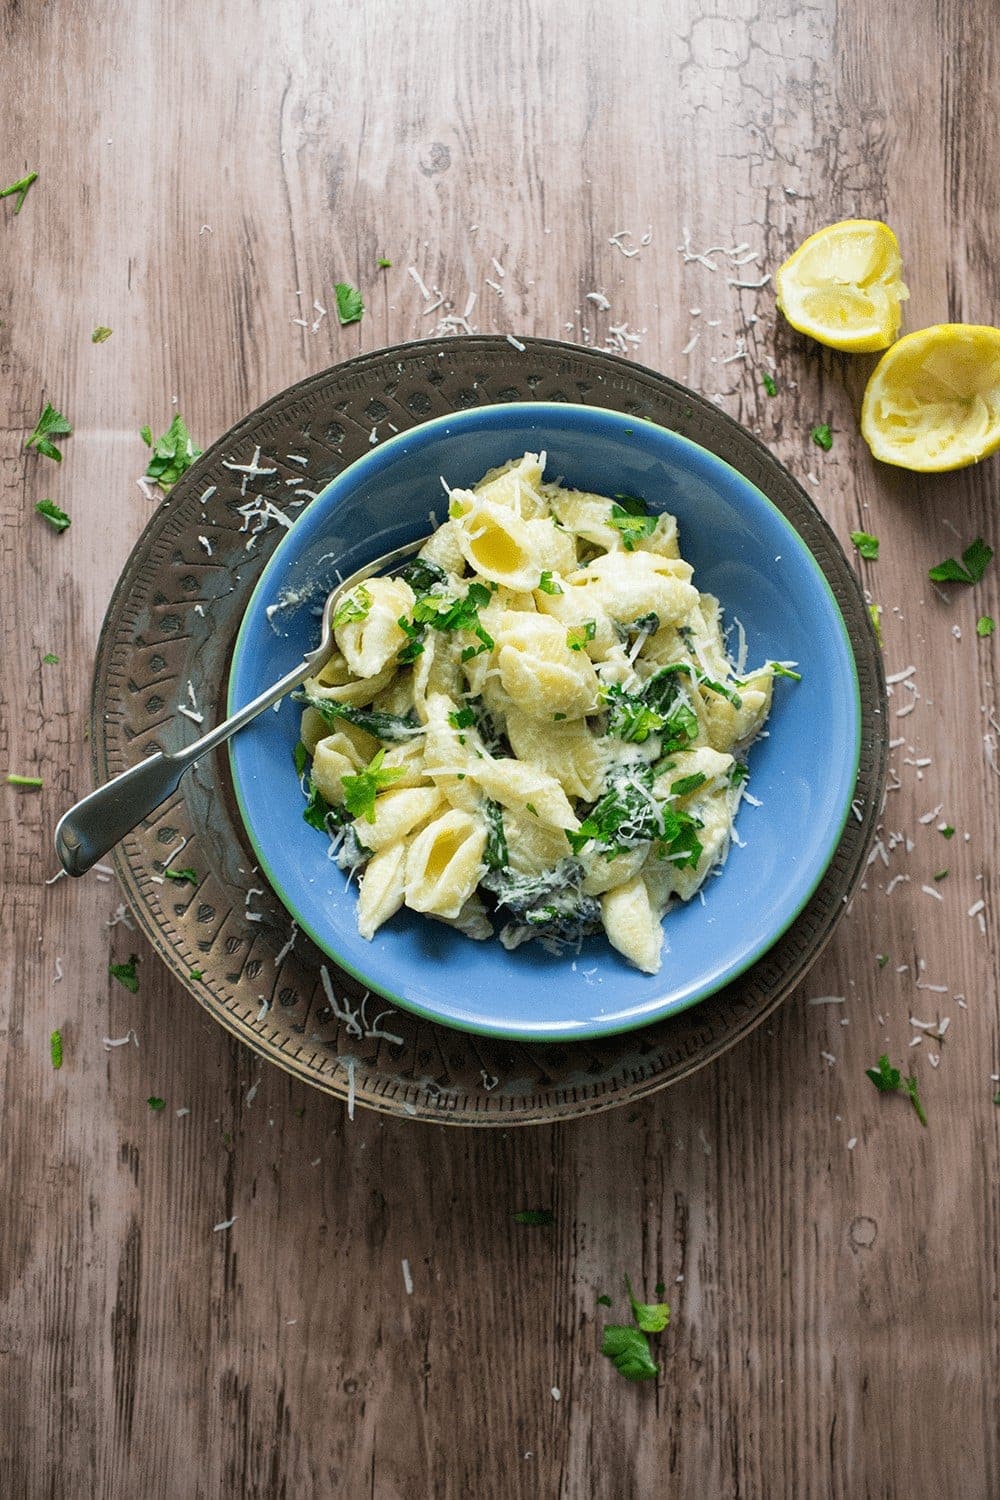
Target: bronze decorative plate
{"points": [[162, 665]]}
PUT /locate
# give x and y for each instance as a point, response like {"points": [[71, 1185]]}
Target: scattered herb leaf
{"points": [[548, 584], [941, 875], [156, 1104], [383, 264], [881, 959], [768, 382], [50, 659], [628, 1351], [496, 855], [866, 544], [197, 974], [126, 973], [55, 1049], [541, 1217], [651, 1317], [462, 718], [688, 784], [20, 188], [947, 832], [58, 519], [875, 615], [51, 424], [100, 335], [180, 875], [821, 435], [604, 1300], [985, 625], [350, 307], [29, 781], [173, 453], [974, 562], [889, 1080], [300, 756]]}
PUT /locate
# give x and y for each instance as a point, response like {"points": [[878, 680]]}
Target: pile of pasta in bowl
{"points": [[533, 729]]}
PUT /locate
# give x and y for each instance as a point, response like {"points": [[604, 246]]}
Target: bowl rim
{"points": [[368, 465]]}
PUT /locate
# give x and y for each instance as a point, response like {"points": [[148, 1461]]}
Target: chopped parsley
{"points": [[875, 615], [356, 606], [350, 308], [768, 382], [29, 781], [181, 875], [881, 959], [548, 584], [20, 188], [441, 612], [495, 855], [974, 562], [50, 659], [985, 625], [100, 335], [821, 435], [866, 544], [57, 519], [947, 832], [628, 1351], [540, 1217], [577, 636], [156, 1104], [361, 790], [51, 424], [942, 875], [300, 755], [604, 1300], [628, 814], [172, 455], [650, 1317], [126, 974], [889, 1080], [462, 718], [196, 974], [739, 772], [383, 264], [55, 1049], [630, 517]]}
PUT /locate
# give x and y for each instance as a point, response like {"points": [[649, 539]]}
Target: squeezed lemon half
{"points": [[843, 286], [933, 401]]}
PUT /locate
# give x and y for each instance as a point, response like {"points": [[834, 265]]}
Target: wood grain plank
{"points": [[834, 1329]]}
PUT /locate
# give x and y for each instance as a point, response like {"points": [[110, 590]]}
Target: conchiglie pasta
{"points": [[548, 747], [444, 864]]}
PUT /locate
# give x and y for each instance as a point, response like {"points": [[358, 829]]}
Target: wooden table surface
{"points": [[831, 1264]]}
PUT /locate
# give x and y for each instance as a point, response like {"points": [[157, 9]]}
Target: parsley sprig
{"points": [[361, 790], [126, 974], [350, 307], [975, 560], [889, 1080], [20, 188], [51, 512], [51, 424], [866, 544], [627, 1346], [172, 455]]}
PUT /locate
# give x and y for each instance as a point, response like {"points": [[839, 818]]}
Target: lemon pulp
{"points": [[843, 286], [933, 401]]}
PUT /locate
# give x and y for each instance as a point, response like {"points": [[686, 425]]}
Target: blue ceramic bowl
{"points": [[803, 772]]}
